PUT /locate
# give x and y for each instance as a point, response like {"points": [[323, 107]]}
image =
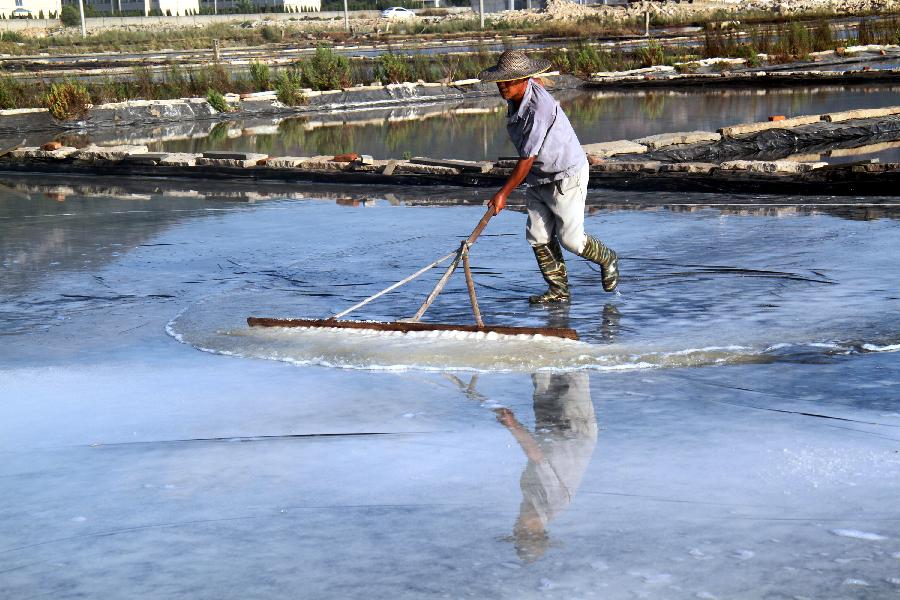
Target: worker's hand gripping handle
{"points": [[480, 227]]}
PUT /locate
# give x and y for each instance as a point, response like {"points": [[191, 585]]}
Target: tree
{"points": [[69, 16]]}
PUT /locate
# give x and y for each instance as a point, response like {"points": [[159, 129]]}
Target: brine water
{"points": [[728, 426]]}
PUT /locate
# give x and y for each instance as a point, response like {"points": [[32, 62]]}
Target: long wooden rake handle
{"points": [[480, 227], [463, 251]]}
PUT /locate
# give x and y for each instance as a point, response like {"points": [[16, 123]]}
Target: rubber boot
{"points": [[553, 268], [596, 252], [609, 328]]}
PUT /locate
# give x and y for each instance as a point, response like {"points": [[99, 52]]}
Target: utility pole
{"points": [[81, 12], [481, 13], [346, 17]]}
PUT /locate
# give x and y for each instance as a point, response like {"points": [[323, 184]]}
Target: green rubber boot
{"points": [[553, 268], [596, 252]]}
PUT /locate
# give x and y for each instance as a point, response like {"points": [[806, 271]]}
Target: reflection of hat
{"points": [[512, 65]]}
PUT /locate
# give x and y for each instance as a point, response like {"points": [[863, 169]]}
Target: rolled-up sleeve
{"points": [[534, 130]]}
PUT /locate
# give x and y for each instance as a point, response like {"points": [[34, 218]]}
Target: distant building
{"points": [[175, 8], [492, 6], [23, 9], [267, 5]]}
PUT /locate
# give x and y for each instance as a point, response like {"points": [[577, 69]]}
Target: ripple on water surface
{"points": [[217, 325], [699, 288]]}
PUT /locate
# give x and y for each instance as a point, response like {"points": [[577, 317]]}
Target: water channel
{"points": [[475, 129]]}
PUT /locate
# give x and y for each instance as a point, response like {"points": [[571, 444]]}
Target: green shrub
{"points": [[9, 92], [210, 77], [217, 101], [326, 70], [652, 54], [69, 16], [289, 87], [392, 68], [793, 41], [67, 101], [11, 36], [823, 37], [260, 76], [272, 34], [586, 60]]}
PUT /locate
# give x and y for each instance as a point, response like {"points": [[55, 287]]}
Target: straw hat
{"points": [[513, 65]]}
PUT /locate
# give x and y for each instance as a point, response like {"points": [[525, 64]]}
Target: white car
{"points": [[397, 12]]}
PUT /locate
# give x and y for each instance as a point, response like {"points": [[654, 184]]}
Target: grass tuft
{"points": [[289, 87], [67, 101], [217, 101]]}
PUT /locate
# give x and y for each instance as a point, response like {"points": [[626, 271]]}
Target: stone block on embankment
{"points": [[465, 166], [263, 106], [407, 167], [688, 167], [32, 152], [308, 163], [149, 111], [268, 95], [230, 159], [286, 162], [865, 113], [650, 166], [23, 152], [389, 167], [663, 140], [606, 149], [771, 166], [745, 128], [874, 167], [147, 158], [179, 159], [635, 73], [94, 153], [506, 162]]}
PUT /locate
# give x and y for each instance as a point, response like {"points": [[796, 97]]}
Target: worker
{"points": [[554, 167]]}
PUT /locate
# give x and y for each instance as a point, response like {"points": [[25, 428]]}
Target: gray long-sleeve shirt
{"points": [[540, 128]]}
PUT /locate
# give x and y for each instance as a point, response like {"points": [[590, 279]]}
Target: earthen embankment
{"points": [[752, 157]]}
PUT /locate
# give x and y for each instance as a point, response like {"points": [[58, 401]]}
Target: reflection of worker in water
{"points": [[559, 451]]}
